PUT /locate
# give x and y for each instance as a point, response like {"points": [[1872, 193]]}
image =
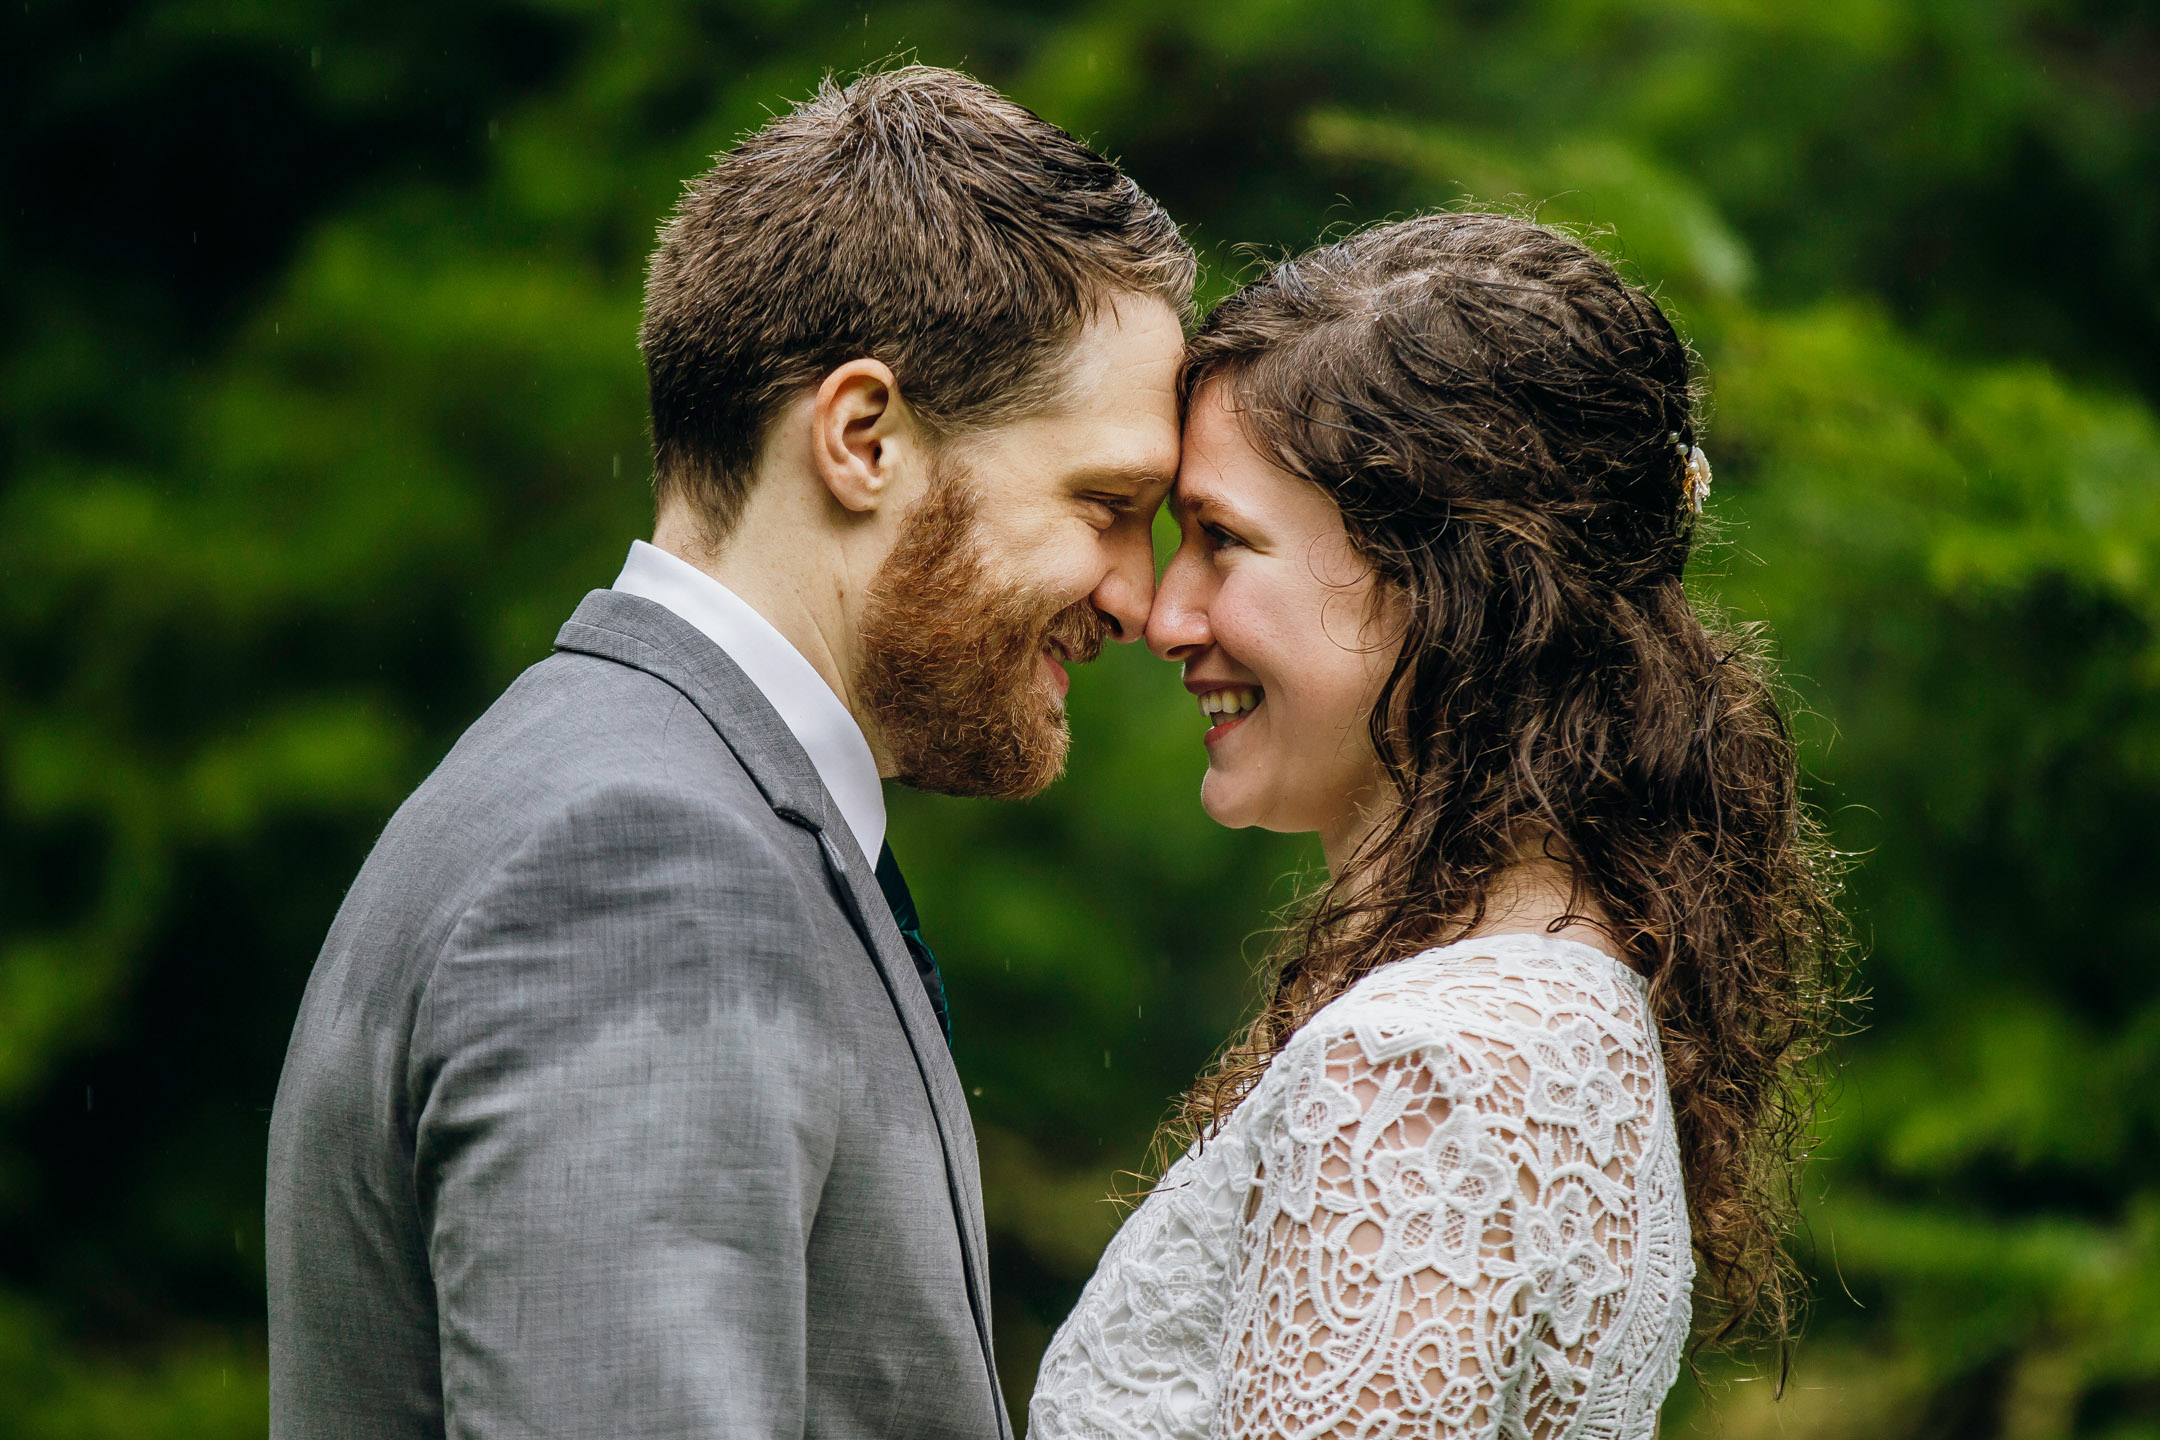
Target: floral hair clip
{"points": [[1696, 466]]}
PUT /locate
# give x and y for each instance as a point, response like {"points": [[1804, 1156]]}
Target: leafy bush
{"points": [[324, 409]]}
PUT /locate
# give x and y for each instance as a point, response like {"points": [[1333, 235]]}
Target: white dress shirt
{"points": [[808, 706]]}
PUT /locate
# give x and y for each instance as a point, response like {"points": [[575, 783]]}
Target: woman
{"points": [[1537, 1048]]}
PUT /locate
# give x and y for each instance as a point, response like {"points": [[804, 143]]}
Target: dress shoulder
{"points": [[1454, 1159], [1494, 991], [1493, 974], [1451, 1208]]}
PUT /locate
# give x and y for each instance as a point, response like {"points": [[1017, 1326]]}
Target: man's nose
{"points": [[1177, 626], [1128, 588]]}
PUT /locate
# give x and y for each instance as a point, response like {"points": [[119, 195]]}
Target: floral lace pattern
{"points": [[1452, 1207]]}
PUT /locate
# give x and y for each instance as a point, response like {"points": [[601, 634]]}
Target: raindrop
{"points": [[618, 467], [1106, 1059], [314, 58]]}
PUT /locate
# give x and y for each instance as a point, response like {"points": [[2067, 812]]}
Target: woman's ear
{"points": [[860, 434]]}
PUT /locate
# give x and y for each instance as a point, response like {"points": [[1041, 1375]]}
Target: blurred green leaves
{"points": [[198, 1390], [1647, 215], [324, 408]]}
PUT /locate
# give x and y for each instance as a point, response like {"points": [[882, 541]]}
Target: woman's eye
{"points": [[1221, 539]]}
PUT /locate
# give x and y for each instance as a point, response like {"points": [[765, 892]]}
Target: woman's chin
{"points": [[1225, 803]]}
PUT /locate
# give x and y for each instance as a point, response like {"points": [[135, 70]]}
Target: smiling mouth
{"points": [[1057, 655], [1229, 706]]}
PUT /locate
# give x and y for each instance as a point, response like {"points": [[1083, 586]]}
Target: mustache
{"points": [[1080, 630]]}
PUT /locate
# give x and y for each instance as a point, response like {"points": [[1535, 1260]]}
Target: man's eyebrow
{"points": [[1138, 472]]}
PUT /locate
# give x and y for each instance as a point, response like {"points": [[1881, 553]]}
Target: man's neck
{"points": [[800, 588]]}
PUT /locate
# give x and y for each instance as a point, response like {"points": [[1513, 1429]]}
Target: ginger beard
{"points": [[953, 659]]}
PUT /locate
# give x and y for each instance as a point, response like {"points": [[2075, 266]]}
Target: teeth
{"points": [[1234, 701]]}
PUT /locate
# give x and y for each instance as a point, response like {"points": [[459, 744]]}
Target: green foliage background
{"points": [[321, 410]]}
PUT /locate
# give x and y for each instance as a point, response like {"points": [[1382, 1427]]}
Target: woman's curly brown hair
{"points": [[1503, 422]]}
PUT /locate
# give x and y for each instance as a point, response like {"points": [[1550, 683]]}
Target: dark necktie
{"points": [[894, 885]]}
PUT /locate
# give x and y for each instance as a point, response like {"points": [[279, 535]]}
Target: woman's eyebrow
{"points": [[1207, 504]]}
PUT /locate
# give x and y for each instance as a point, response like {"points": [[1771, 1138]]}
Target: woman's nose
{"points": [[1177, 625]]}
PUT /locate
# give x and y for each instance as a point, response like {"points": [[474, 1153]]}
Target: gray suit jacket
{"points": [[615, 1106]]}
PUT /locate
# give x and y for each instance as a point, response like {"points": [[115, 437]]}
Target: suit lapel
{"points": [[649, 637], [858, 891]]}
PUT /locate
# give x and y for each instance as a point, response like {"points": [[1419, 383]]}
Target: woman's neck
{"points": [[1532, 897], [1341, 841]]}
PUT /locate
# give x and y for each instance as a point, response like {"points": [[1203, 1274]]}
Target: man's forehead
{"points": [[1112, 416], [1112, 437], [1115, 447], [1132, 345]]}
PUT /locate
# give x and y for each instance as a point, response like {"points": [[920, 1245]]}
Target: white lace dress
{"points": [[1451, 1208]]}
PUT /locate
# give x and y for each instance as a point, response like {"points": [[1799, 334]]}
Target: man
{"points": [[619, 1104]]}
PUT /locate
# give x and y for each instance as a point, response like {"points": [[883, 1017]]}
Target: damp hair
{"points": [[913, 215], [1502, 421]]}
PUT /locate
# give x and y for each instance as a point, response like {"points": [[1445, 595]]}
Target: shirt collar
{"points": [[808, 707]]}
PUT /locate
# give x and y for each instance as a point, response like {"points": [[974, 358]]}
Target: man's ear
{"points": [[860, 434]]}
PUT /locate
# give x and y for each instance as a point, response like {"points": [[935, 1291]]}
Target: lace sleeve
{"points": [[1445, 1226]]}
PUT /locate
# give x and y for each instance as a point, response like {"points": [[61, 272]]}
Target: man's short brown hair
{"points": [[915, 216]]}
